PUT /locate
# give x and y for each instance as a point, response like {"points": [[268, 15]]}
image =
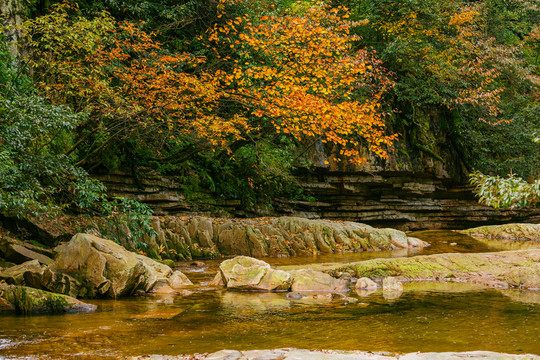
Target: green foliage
{"points": [[505, 193], [256, 173], [126, 220], [457, 62], [35, 175], [503, 149]]}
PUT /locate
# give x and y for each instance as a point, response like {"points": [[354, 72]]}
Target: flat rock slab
{"points": [[296, 354], [521, 232], [520, 268]]}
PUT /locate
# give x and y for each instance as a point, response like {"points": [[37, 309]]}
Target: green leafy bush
{"points": [[505, 193]]}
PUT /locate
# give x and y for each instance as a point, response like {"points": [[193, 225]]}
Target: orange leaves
{"points": [[296, 74], [301, 75]]}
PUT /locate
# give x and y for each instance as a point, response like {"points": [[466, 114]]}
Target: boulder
{"points": [[25, 300], [88, 266], [366, 284], [313, 280], [178, 280], [246, 273], [29, 273], [391, 284], [217, 281]]}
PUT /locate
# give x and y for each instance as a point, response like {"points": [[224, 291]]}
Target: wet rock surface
{"points": [[520, 268], [297, 354], [521, 232], [245, 273], [26, 300], [313, 280]]}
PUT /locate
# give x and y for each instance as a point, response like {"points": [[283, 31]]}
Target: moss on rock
{"points": [[25, 300], [519, 268]]}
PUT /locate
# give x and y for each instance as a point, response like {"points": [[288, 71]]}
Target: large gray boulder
{"points": [[246, 273], [88, 266]]}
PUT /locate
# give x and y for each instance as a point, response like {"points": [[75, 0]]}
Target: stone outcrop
{"points": [[88, 266], [17, 251], [192, 237], [521, 232], [26, 300], [520, 268], [29, 273], [404, 193], [298, 354], [246, 273]]}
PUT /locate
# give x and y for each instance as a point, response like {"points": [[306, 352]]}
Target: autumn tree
{"points": [[295, 76]]}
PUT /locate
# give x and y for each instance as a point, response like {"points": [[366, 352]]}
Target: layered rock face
{"points": [[401, 200], [405, 193], [188, 237]]}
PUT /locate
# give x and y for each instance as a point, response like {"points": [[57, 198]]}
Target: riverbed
{"points": [[427, 317]]}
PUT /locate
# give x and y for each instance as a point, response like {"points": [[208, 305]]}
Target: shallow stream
{"points": [[427, 317]]}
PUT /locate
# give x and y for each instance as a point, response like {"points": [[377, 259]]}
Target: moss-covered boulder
{"points": [[523, 232], [26, 300], [88, 266], [520, 268]]}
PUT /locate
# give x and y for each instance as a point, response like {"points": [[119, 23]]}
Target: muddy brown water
{"points": [[427, 317]]}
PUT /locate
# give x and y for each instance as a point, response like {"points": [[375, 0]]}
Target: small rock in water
{"points": [[139, 292], [217, 281], [327, 296], [365, 293], [366, 284], [453, 244], [197, 264], [338, 296], [178, 280], [350, 300], [391, 284], [295, 296], [185, 292], [164, 290]]}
